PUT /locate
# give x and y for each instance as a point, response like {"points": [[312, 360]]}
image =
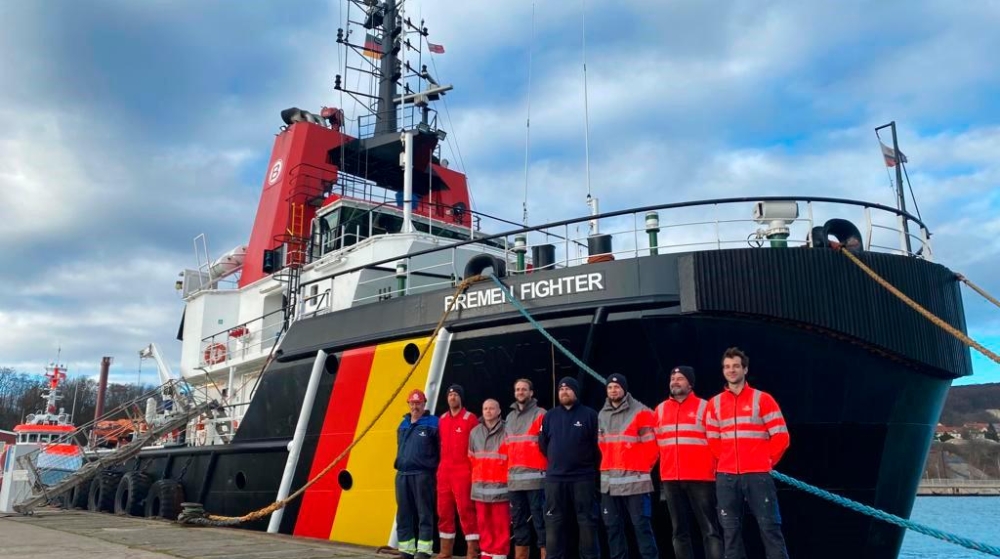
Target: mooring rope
{"points": [[852, 505]]}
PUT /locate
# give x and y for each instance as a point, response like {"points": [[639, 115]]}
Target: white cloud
{"points": [[100, 197]]}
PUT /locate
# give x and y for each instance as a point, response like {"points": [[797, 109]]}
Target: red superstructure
{"points": [[307, 161]]}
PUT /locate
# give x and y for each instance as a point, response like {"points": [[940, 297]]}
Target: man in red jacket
{"points": [[627, 440], [748, 435], [454, 476], [526, 470], [687, 467]]}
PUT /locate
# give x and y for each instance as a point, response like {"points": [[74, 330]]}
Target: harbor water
{"points": [[976, 518]]}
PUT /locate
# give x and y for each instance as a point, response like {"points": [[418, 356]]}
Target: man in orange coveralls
{"points": [[454, 476]]}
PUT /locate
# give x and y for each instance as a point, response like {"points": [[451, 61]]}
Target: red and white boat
{"points": [[44, 451]]}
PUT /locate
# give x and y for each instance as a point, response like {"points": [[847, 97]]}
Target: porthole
{"points": [[411, 353], [345, 479]]}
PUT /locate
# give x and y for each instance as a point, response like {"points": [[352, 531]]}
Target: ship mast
{"points": [[385, 117]]}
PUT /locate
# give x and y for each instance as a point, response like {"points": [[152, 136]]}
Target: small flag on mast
{"points": [[436, 49], [890, 155], [373, 48]]}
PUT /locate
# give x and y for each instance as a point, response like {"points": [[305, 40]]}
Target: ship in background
{"points": [[361, 235]]}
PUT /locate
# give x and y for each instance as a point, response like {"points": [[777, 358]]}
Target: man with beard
{"points": [[454, 476], [687, 467], [568, 440], [488, 452], [526, 469], [628, 452], [747, 434]]}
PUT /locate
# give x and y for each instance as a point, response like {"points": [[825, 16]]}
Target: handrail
{"points": [[617, 213]]}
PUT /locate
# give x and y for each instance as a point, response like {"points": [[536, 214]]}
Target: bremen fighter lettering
{"points": [[541, 289]]}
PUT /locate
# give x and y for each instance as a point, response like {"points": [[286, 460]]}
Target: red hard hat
{"points": [[416, 396]]}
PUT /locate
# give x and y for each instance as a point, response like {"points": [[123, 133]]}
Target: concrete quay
{"points": [[59, 534], [957, 487]]}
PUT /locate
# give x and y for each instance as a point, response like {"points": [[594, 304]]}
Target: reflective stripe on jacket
{"points": [[746, 431], [455, 430], [627, 441], [488, 453], [525, 461], [681, 438]]}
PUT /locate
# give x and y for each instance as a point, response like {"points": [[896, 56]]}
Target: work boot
{"points": [[473, 549], [542, 550], [447, 547], [522, 552], [422, 555]]}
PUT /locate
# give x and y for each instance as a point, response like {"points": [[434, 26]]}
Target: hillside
{"points": [[968, 404]]}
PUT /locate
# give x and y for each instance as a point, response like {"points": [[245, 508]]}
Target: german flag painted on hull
{"points": [[355, 503]]}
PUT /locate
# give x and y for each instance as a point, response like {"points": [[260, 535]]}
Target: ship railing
{"points": [[62, 450], [716, 224], [417, 275], [53, 469], [242, 342]]}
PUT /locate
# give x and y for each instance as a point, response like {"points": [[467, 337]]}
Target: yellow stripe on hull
{"points": [[366, 512]]}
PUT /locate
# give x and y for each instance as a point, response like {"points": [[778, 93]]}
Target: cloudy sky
{"points": [[128, 128]]}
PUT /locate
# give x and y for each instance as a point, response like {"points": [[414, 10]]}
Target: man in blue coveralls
{"points": [[417, 457]]}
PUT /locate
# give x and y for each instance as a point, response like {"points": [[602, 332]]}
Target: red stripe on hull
{"points": [[319, 504]]}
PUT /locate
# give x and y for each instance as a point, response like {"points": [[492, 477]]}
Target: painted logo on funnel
{"points": [[275, 173]]}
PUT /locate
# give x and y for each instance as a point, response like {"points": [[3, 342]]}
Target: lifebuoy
{"points": [[215, 353]]}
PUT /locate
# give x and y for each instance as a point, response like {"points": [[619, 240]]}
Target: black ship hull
{"points": [[861, 379]]}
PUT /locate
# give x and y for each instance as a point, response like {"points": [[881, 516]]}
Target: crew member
{"points": [[748, 436], [568, 439], [417, 456], [687, 467], [526, 469], [488, 453], [627, 441], [454, 476]]}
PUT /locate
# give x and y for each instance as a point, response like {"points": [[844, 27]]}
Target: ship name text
{"points": [[541, 289]]}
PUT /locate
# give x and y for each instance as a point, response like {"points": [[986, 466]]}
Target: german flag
{"points": [[373, 48]]}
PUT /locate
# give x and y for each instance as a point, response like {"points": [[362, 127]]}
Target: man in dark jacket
{"points": [[568, 440], [417, 457]]}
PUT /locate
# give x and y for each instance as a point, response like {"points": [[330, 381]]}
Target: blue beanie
{"points": [[570, 382], [619, 379]]}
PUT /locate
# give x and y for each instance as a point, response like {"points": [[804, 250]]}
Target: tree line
{"points": [[21, 394]]}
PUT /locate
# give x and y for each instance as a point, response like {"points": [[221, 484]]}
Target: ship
{"points": [[43, 436], [365, 240]]}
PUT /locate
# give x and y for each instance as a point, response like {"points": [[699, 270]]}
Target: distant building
{"points": [[942, 430], [975, 430]]}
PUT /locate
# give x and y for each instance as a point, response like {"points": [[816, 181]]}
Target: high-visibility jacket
{"points": [[454, 432], [627, 440], [746, 431], [682, 440], [525, 461], [488, 454]]}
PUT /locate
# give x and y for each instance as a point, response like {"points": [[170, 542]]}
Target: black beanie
{"points": [[619, 379], [570, 382], [688, 373], [457, 389]]}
